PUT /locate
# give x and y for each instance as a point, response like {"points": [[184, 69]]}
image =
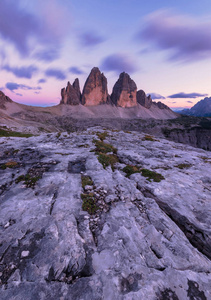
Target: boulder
{"points": [[143, 99], [124, 91], [71, 95], [95, 90]]}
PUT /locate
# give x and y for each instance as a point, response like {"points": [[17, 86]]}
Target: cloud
{"points": [[189, 101], [56, 73], [17, 94], [42, 80], [47, 55], [75, 70], [118, 63], [44, 25], [156, 96], [12, 86], [21, 72], [187, 38], [89, 39], [184, 95]]}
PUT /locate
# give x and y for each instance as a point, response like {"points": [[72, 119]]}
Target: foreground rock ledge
{"points": [[150, 240]]}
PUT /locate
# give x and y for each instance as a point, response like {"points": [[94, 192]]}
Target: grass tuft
{"points": [[102, 135], [9, 164], [29, 180], [102, 147], [107, 160]]}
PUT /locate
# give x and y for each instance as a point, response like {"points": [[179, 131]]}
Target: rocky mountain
{"points": [[200, 109], [95, 90], [124, 92], [104, 215]]}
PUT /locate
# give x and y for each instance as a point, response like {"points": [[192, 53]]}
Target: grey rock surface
{"points": [[147, 240]]}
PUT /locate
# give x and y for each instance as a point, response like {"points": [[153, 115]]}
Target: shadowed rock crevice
{"points": [[200, 239]]}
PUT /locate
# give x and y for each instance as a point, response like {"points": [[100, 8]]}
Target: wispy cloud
{"points": [[27, 30], [90, 39], [76, 71], [56, 73], [47, 55], [119, 63], [42, 80], [187, 95], [155, 96], [21, 72], [187, 38], [12, 86]]}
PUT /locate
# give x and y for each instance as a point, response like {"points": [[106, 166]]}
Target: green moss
{"points": [[29, 180], [7, 133], [151, 175], [108, 160], [129, 170], [183, 166], [89, 203], [86, 180]]}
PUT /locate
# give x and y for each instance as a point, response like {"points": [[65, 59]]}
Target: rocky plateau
{"points": [[104, 215]]}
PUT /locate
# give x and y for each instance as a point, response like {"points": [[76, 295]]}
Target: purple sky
{"points": [[164, 46]]}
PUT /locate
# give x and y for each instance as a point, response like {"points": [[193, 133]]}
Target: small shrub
{"points": [[183, 166], [86, 180], [108, 159], [151, 175], [89, 203], [129, 170]]}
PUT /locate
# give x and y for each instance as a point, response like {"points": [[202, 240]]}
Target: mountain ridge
{"points": [[201, 109]]}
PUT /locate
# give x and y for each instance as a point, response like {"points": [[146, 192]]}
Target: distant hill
{"points": [[200, 109]]}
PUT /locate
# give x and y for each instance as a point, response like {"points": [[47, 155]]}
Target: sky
{"points": [[165, 46]]}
